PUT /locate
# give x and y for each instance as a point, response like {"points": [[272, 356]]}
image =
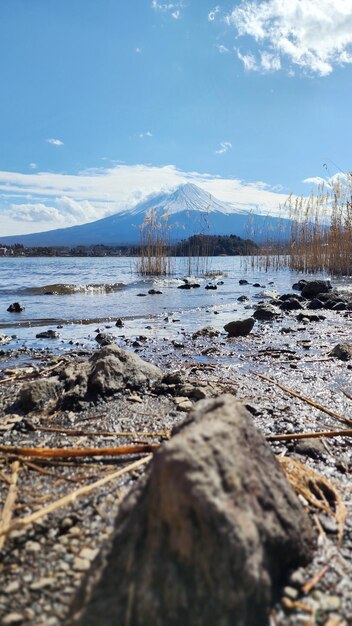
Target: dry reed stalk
{"points": [[67, 453], [312, 435], [70, 498], [7, 511]]}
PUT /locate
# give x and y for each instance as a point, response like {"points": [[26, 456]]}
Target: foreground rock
{"points": [[206, 537], [239, 328], [109, 371]]}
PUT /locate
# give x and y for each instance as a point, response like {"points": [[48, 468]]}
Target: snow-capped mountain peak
{"points": [[186, 197]]}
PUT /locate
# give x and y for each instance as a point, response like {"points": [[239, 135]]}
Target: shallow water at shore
{"points": [[81, 294]]}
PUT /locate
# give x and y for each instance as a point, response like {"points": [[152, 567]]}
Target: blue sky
{"points": [[105, 101]]}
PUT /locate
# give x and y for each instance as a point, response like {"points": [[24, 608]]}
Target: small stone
{"points": [[88, 553], [134, 399], [48, 334], [33, 546], [243, 281], [12, 587], [335, 620], [207, 331], [81, 565], [326, 602], [42, 583], [119, 322], [12, 618], [290, 592], [298, 578], [310, 447]]}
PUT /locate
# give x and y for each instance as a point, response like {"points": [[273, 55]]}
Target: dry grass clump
{"points": [[316, 489], [155, 256], [321, 238]]}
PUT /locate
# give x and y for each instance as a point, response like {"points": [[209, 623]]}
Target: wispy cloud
{"points": [[138, 50], [42, 201], [55, 142], [225, 146], [314, 35], [222, 49], [212, 14], [33, 166], [146, 134], [172, 7]]}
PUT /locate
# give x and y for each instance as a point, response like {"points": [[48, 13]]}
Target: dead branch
{"points": [[35, 374]]}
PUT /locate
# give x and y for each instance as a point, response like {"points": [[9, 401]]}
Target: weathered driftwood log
{"points": [[207, 536]]}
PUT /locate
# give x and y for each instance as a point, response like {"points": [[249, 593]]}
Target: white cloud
{"points": [[33, 166], [43, 200], [212, 14], [138, 50], [146, 134], [225, 146], [248, 61], [55, 142], [34, 213], [315, 35], [176, 14], [222, 49]]}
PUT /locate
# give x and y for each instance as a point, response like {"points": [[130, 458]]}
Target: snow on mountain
{"points": [[189, 209], [186, 197]]}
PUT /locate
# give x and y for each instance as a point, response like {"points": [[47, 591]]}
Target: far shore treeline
{"points": [[196, 245]]}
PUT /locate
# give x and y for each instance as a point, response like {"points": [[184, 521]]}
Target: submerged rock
{"points": [[239, 328], [16, 307], [208, 536], [48, 334]]}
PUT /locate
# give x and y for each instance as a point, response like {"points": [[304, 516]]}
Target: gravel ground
{"points": [[42, 564]]}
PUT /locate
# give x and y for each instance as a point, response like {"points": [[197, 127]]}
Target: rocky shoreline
{"points": [[75, 400]]}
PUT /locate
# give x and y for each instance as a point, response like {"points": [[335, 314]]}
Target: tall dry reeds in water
{"points": [[321, 237], [155, 259]]}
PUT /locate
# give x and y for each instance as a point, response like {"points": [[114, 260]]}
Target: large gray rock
{"points": [[342, 351], [107, 372], [208, 536]]}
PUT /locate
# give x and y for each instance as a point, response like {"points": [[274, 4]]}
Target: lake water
{"points": [[81, 294]]}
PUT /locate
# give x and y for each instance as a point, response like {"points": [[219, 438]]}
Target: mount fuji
{"points": [[189, 209]]}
